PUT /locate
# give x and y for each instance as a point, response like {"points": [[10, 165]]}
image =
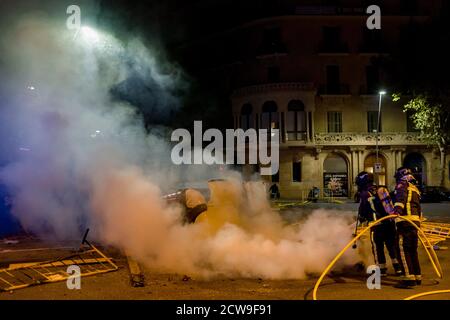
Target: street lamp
{"points": [[381, 94], [93, 39], [90, 33]]}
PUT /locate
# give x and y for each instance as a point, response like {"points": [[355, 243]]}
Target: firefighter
{"points": [[375, 203], [193, 202], [407, 204]]}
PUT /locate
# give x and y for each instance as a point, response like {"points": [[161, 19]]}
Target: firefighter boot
{"points": [[406, 284], [397, 269]]}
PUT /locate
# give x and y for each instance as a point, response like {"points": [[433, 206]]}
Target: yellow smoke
{"points": [[223, 206]]}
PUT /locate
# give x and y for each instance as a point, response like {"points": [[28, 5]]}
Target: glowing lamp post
{"points": [[377, 166]]}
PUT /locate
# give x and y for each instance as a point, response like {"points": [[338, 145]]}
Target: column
{"points": [[354, 163], [308, 138], [361, 160], [355, 171], [398, 159]]}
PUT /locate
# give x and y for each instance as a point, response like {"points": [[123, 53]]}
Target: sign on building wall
{"points": [[377, 167], [336, 184]]}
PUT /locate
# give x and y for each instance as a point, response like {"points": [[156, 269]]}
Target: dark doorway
{"points": [[416, 162]]}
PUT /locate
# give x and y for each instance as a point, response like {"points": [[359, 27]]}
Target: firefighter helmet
{"points": [[364, 179], [404, 174]]}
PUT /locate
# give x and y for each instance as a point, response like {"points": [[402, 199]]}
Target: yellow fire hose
{"points": [[433, 257], [427, 294]]}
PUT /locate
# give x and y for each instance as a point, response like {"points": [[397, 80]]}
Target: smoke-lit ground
{"points": [[76, 154], [350, 284]]}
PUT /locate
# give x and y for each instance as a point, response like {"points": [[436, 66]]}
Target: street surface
{"points": [[116, 285]]}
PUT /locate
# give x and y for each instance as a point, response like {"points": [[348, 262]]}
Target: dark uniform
{"points": [[407, 204], [375, 203]]}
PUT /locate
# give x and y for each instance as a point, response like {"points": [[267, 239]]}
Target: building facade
{"points": [[313, 75]]}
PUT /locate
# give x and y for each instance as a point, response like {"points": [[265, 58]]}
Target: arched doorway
{"points": [[369, 165], [416, 162], [335, 176]]}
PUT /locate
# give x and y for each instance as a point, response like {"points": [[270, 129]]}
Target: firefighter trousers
{"points": [[384, 235], [408, 239]]}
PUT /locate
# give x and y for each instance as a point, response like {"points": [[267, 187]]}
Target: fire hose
{"points": [[427, 294], [432, 256]]}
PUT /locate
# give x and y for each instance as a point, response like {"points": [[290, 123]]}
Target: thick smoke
{"points": [[63, 124], [77, 157], [234, 238]]}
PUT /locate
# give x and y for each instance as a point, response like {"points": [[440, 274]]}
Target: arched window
{"points": [[246, 116], [269, 116], [296, 120]]}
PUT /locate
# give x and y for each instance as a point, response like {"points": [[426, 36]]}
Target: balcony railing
{"points": [[270, 87], [296, 136], [391, 138]]}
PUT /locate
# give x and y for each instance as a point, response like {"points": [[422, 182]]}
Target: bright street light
{"points": [[90, 34], [377, 174], [97, 40]]}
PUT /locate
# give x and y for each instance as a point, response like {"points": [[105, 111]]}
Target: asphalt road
{"points": [[432, 211], [159, 285]]}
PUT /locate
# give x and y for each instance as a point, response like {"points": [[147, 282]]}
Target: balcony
{"points": [[368, 139], [296, 136], [271, 87], [334, 89], [338, 48]]}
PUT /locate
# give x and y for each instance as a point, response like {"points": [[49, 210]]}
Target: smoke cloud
{"points": [[75, 154]]}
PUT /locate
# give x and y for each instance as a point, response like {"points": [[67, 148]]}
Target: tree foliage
{"points": [[431, 117]]}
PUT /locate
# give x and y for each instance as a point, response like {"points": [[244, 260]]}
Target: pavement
{"points": [[432, 211], [350, 285]]}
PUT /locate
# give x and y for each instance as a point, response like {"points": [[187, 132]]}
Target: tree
{"points": [[431, 116]]}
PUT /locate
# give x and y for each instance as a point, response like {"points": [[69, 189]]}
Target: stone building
{"points": [[311, 74]]}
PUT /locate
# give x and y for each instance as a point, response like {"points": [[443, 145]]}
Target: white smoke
{"points": [[80, 158]]}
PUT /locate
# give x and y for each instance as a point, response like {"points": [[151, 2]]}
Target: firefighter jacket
{"points": [[375, 203], [407, 201]]}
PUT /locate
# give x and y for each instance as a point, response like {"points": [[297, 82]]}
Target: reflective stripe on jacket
{"points": [[375, 203], [407, 201]]}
